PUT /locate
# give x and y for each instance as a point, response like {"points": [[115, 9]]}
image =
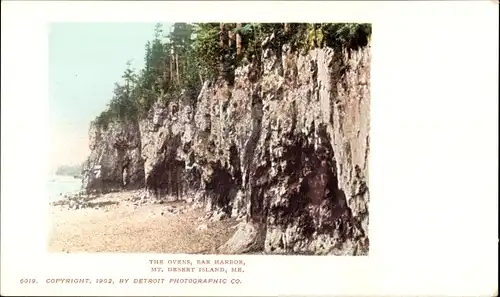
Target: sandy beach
{"points": [[120, 222]]}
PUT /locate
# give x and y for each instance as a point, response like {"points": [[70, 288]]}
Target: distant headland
{"points": [[70, 170]]}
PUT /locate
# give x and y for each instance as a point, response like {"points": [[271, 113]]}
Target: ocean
{"points": [[59, 185]]}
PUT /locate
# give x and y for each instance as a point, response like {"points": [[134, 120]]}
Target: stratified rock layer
{"points": [[285, 148]]}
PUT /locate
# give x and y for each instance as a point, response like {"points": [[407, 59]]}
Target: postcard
{"points": [[204, 156]]}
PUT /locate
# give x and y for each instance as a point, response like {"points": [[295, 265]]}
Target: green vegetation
{"points": [[177, 64]]}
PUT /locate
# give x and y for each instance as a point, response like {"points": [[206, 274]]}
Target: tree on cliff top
{"points": [[177, 63]]}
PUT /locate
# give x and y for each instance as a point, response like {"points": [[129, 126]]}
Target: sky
{"points": [[85, 60]]}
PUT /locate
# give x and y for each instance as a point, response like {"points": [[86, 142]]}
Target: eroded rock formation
{"points": [[115, 153], [284, 148]]}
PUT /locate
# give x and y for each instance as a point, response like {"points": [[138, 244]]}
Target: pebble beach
{"points": [[124, 222]]}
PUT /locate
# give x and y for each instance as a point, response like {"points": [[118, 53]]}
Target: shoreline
{"points": [[125, 222]]}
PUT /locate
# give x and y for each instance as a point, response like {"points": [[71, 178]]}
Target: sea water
{"points": [[59, 185]]}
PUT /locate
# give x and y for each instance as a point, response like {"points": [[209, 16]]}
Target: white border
{"points": [[433, 173]]}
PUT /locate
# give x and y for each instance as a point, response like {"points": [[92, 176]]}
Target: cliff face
{"points": [[285, 148], [115, 151]]}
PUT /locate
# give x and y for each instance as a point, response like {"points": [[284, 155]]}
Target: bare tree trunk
{"points": [[165, 73], [223, 49], [238, 39], [222, 36], [201, 78], [286, 27], [315, 36], [177, 67], [171, 60], [231, 36], [181, 66], [185, 66]]}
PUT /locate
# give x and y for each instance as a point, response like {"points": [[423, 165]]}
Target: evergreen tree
{"points": [[181, 60], [130, 78]]}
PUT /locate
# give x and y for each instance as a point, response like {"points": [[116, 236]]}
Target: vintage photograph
{"points": [[210, 138]]}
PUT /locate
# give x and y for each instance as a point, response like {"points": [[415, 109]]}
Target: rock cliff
{"points": [[114, 150], [284, 149]]}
